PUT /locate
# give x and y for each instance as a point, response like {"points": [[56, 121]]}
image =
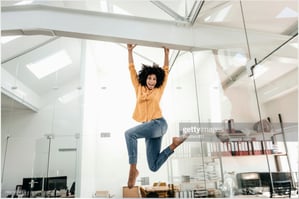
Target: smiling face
{"points": [[151, 81]]}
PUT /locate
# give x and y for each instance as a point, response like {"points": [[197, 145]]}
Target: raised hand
{"points": [[130, 52], [131, 46]]}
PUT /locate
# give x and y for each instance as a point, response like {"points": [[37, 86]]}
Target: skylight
{"points": [[50, 64], [287, 13], [25, 2], [6, 39], [220, 15]]}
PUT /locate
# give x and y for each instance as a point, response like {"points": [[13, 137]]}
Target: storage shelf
{"points": [[279, 154]]}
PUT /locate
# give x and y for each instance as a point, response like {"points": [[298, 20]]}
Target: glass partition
{"points": [[276, 78], [274, 64], [41, 120], [227, 103]]}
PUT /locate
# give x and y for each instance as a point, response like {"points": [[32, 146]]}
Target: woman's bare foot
{"points": [[177, 141], [132, 177]]}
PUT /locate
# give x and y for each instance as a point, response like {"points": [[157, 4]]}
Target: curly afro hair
{"points": [[149, 70]]}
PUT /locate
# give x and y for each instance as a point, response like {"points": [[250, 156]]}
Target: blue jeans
{"points": [[153, 132]]}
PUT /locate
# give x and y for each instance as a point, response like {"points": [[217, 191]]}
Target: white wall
{"points": [[244, 105], [254, 163], [286, 105]]}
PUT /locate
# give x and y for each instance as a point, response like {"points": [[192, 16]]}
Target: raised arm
{"points": [[166, 66], [166, 56], [130, 53], [133, 73]]}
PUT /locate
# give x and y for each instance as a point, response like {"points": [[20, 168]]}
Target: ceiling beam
{"points": [[279, 87], [197, 5], [54, 21]]}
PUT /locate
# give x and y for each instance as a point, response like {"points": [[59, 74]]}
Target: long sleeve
{"points": [[134, 77], [166, 71]]}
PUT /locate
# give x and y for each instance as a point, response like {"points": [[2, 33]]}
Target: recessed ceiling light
{"points": [[287, 13], [50, 64]]}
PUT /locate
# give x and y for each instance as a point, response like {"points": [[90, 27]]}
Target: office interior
{"points": [[67, 99]]}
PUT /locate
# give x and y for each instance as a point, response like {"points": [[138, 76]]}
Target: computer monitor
{"points": [[276, 176], [249, 180], [55, 183], [32, 184]]}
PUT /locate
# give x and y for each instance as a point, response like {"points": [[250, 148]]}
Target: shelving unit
{"points": [[240, 144], [279, 187], [285, 148], [201, 161]]}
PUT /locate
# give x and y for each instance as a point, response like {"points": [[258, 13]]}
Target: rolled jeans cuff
{"points": [[168, 151], [132, 159]]}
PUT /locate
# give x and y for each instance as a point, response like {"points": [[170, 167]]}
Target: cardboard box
{"points": [[134, 192]]}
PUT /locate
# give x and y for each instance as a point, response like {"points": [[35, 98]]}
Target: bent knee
{"points": [[153, 168], [127, 132]]}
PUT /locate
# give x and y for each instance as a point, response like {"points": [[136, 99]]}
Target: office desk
{"points": [[156, 188], [162, 191]]}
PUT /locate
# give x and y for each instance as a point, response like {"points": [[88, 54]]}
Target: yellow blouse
{"points": [[147, 104]]}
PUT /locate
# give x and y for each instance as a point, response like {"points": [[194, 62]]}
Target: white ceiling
{"points": [[259, 16]]}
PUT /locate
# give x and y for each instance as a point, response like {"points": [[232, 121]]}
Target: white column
{"points": [[87, 159]]}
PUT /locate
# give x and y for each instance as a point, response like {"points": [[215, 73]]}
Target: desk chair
{"points": [[161, 194], [281, 188]]}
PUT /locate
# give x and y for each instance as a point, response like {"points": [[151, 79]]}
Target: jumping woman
{"points": [[149, 85]]}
